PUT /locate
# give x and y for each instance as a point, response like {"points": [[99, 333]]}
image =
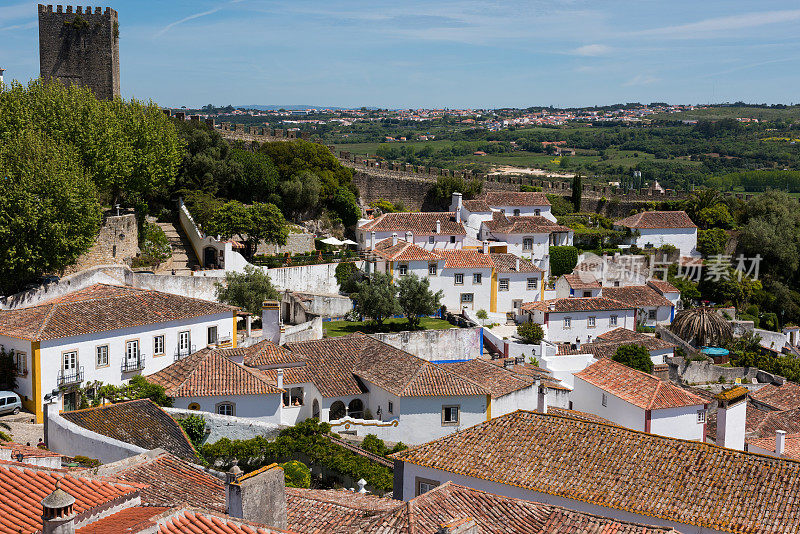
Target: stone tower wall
{"points": [[80, 46]]}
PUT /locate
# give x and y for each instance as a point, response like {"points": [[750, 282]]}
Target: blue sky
{"points": [[434, 53]]}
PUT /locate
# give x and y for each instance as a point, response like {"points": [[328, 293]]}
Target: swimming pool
{"points": [[715, 351]]}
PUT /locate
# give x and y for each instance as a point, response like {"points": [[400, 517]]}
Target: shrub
{"points": [[563, 260], [85, 461], [635, 356], [296, 474], [346, 277], [195, 428], [374, 444], [154, 244], [530, 332]]}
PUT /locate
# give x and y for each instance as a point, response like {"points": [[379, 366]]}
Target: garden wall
{"points": [[430, 345], [227, 426]]}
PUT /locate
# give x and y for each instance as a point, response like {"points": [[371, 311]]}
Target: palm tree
{"points": [[701, 326], [700, 199]]}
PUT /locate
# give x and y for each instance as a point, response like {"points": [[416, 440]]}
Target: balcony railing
{"points": [[131, 364], [182, 353], [71, 376]]}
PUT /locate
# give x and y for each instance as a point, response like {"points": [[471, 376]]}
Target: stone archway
{"points": [[315, 409], [356, 409], [337, 411]]}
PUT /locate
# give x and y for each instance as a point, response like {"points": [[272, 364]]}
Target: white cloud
{"points": [[592, 50], [171, 25], [734, 22], [641, 79]]}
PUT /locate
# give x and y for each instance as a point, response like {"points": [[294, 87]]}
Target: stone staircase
{"points": [[183, 256]]}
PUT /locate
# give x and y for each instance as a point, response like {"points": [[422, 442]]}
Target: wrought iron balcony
{"points": [[71, 376], [131, 364], [182, 353]]}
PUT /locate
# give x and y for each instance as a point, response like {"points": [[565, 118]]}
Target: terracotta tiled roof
{"points": [[138, 422], [575, 414], [497, 380], [23, 488], [208, 373], [403, 251], [29, 451], [266, 354], [476, 206], [523, 224], [101, 308], [507, 263], [168, 480], [657, 219], [566, 305], [636, 387], [338, 365], [585, 281], [340, 512], [791, 446], [760, 423], [623, 334], [455, 259], [784, 397], [514, 198], [196, 521], [663, 286], [131, 519], [636, 296], [423, 223], [615, 467], [607, 344]]}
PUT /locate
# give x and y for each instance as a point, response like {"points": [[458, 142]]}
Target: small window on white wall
{"points": [[226, 408], [567, 322], [533, 283], [591, 322], [391, 407], [701, 416], [612, 321]]}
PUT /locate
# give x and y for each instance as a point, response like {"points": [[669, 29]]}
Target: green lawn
{"points": [[342, 328]]}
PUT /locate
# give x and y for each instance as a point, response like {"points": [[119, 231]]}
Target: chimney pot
{"points": [[394, 238], [541, 406], [280, 378], [361, 483], [438, 226], [409, 236], [371, 240], [517, 264], [58, 516], [780, 442], [485, 247]]}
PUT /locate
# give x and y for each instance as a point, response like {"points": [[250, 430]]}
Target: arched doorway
{"points": [[337, 411], [315, 409], [209, 257], [355, 409]]}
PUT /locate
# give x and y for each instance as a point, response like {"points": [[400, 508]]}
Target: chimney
{"points": [[58, 516], [541, 405], [438, 226], [517, 264], [577, 343], [271, 321], [259, 496], [371, 240], [465, 525], [394, 238], [456, 204], [361, 485], [280, 378], [485, 247], [731, 418], [249, 325], [409, 237], [780, 442]]}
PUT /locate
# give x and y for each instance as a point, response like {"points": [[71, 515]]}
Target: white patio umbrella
{"points": [[333, 241], [349, 242]]}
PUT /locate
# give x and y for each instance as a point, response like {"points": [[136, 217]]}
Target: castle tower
{"points": [[80, 47]]}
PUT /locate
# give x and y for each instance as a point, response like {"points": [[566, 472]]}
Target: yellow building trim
{"points": [[36, 381], [541, 285], [493, 296], [391, 270], [488, 407], [235, 330]]}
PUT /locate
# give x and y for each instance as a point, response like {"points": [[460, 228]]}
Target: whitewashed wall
{"points": [[587, 398], [557, 333], [677, 422], [684, 239], [265, 408]]}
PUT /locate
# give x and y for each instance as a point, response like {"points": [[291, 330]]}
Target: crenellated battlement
{"points": [[87, 11]]}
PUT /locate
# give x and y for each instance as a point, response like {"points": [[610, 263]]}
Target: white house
{"points": [[208, 381], [654, 308], [639, 401], [430, 230], [610, 471], [529, 236], [466, 280], [474, 212], [578, 285], [654, 229], [580, 320], [515, 280], [106, 333]]}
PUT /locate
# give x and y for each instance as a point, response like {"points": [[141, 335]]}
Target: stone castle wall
{"points": [[117, 242], [80, 47]]}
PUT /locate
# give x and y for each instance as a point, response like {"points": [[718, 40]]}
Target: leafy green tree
{"points": [[530, 332], [232, 219], [266, 224], [716, 216], [374, 444], [297, 156], [771, 229], [345, 204], [195, 428], [301, 194], [416, 298], [49, 213], [635, 356], [711, 242], [202, 206], [137, 388], [247, 290], [732, 288], [482, 315], [563, 260], [377, 298], [441, 194], [701, 199], [296, 474], [257, 176], [346, 273], [559, 205]]}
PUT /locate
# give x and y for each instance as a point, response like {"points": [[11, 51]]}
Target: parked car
{"points": [[9, 402]]}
